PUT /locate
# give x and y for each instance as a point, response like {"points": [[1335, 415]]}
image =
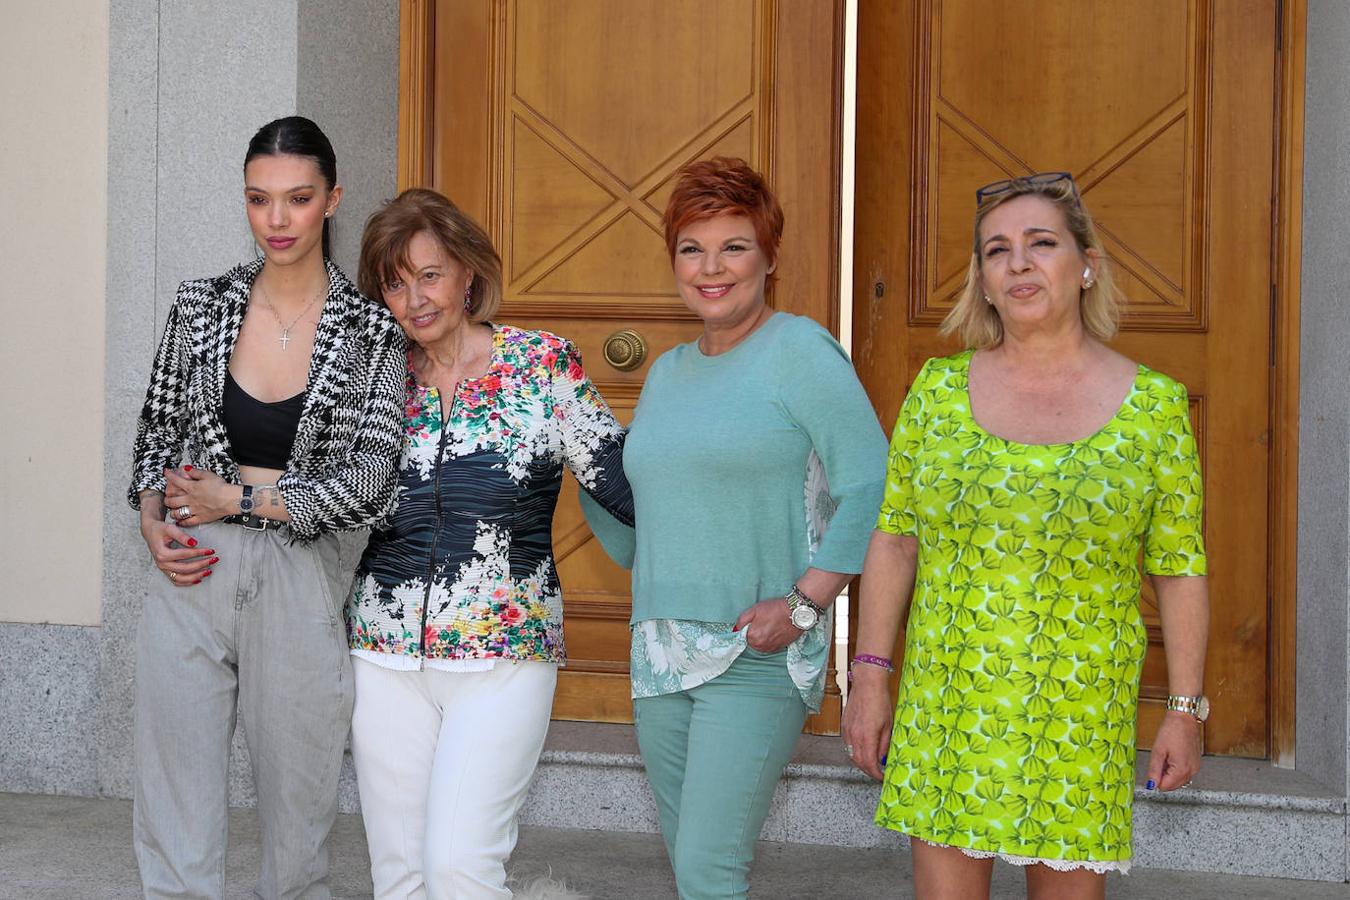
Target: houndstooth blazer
{"points": [[343, 467]]}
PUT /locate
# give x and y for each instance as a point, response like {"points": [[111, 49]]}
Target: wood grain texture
{"points": [[1285, 372], [415, 86], [1165, 112], [567, 156]]}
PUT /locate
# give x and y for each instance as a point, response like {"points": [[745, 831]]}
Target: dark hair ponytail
{"points": [[298, 136]]}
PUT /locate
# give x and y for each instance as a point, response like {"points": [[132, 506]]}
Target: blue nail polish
{"points": [[1151, 785], [883, 759]]}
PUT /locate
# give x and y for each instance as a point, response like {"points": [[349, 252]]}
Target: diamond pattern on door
{"points": [[593, 144], [1145, 144]]}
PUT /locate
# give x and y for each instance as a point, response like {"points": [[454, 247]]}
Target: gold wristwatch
{"points": [[1195, 706]]}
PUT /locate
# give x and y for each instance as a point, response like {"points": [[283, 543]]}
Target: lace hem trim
{"points": [[1100, 867]]}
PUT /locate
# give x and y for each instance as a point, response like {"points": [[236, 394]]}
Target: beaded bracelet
{"points": [[880, 662]]}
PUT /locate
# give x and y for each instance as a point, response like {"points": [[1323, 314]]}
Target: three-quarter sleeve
{"points": [[359, 489], [592, 439], [820, 392], [1174, 542], [161, 428], [897, 511]]}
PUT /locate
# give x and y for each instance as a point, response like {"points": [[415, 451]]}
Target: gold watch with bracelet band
{"points": [[802, 610], [1197, 706]]}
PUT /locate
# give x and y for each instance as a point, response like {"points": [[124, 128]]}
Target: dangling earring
{"points": [[987, 300], [468, 298], [1087, 278]]}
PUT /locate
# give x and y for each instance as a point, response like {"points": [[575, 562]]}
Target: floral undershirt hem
{"points": [[672, 655], [1100, 867]]}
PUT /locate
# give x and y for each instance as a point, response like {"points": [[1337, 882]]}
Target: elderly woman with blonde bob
{"points": [[455, 614], [1025, 474]]}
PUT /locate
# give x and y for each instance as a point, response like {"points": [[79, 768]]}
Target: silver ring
{"points": [[183, 512], [848, 749]]}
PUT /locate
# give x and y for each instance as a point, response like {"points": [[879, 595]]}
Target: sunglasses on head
{"points": [[1039, 179]]}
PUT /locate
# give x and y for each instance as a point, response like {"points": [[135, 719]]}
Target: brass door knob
{"points": [[625, 350]]}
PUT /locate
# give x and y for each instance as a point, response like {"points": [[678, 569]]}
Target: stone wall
{"points": [[189, 82], [1324, 408]]}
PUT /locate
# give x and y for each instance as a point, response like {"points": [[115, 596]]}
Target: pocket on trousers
{"points": [[322, 562]]}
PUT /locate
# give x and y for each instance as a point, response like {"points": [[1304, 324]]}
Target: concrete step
{"points": [[1239, 817], [75, 848]]}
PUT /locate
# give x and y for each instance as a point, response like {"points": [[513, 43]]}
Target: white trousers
{"points": [[443, 761]]}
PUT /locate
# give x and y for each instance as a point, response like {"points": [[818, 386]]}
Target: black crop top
{"points": [[261, 434]]}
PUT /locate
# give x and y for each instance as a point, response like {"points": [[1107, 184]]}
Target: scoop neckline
{"points": [[494, 362], [1140, 371], [229, 377], [713, 357]]}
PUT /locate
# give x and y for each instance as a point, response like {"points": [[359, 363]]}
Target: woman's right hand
{"points": [[174, 551], [868, 716]]}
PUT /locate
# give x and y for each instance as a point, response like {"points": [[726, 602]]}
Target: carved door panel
{"points": [[1164, 112], [560, 127]]}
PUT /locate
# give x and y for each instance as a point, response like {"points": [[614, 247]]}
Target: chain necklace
{"points": [[286, 329]]}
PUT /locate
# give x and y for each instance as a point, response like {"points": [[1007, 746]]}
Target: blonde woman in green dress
{"points": [[1024, 475]]}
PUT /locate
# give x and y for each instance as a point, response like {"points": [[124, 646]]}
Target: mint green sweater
{"points": [[717, 457]]}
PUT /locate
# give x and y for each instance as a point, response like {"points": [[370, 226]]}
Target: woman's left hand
{"points": [[206, 495], [768, 626], [1175, 758]]}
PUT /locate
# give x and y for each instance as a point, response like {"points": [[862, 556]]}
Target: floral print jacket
{"points": [[463, 568]]}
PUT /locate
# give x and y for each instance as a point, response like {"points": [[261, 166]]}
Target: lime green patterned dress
{"points": [[1014, 731]]}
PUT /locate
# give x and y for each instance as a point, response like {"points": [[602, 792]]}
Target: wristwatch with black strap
{"points": [[246, 501]]}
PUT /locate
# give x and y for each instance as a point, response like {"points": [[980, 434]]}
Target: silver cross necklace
{"points": [[286, 329]]}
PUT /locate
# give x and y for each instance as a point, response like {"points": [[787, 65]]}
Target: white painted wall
{"points": [[53, 235]]}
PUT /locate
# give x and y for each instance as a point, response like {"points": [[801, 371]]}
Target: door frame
{"points": [[1291, 47], [416, 82]]}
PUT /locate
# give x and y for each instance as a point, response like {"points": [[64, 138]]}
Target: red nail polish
{"points": [[198, 581], [192, 542], [205, 574], [187, 468], [214, 560]]}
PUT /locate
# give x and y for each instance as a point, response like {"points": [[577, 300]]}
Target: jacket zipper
{"points": [[436, 537]]}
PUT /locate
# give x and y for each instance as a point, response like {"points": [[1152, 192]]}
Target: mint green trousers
{"points": [[713, 755]]}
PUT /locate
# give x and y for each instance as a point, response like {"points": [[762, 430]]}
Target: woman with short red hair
{"points": [[757, 467]]}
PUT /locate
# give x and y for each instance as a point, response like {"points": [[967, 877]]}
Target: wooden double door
{"points": [[1166, 113], [559, 125]]}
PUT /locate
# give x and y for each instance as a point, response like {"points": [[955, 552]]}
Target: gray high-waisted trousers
{"points": [[264, 631]]}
